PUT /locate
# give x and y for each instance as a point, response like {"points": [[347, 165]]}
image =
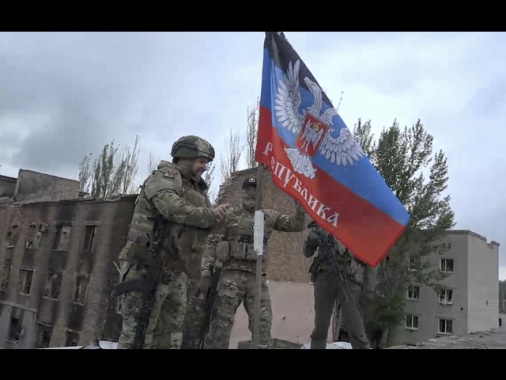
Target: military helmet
{"points": [[192, 147], [249, 182]]}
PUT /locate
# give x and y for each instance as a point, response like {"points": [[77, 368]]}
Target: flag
{"points": [[312, 156]]}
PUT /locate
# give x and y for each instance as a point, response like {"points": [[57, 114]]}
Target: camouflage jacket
{"points": [[175, 196], [231, 241], [353, 268]]}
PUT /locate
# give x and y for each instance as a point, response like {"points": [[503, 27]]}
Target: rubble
{"points": [[494, 339]]}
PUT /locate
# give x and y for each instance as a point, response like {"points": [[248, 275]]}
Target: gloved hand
{"points": [[204, 284], [313, 237]]}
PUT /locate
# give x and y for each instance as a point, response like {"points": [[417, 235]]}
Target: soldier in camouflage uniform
{"points": [[347, 286], [232, 244], [173, 196]]}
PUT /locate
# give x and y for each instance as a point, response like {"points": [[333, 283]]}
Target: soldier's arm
{"points": [[369, 278], [209, 256], [311, 243], [287, 223], [163, 190]]}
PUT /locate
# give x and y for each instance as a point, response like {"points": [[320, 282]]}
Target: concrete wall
{"points": [[44, 187], [34, 250], [7, 186], [293, 314], [483, 280]]}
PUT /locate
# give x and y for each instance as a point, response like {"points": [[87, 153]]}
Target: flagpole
{"points": [[258, 247]]}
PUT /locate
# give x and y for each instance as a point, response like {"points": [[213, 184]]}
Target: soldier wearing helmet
{"points": [[231, 244], [170, 224]]}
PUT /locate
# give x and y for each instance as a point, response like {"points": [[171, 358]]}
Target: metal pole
{"points": [[258, 245]]}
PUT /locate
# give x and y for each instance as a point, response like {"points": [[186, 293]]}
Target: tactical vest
{"points": [[237, 251], [182, 245]]}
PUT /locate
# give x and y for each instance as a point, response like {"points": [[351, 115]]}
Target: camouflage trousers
{"points": [[235, 287], [328, 287], [165, 326]]}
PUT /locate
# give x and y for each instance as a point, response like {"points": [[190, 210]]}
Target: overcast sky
{"points": [[63, 95]]}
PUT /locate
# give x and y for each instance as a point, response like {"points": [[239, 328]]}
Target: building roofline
{"points": [[10, 179], [471, 233], [122, 198], [48, 175], [245, 171]]}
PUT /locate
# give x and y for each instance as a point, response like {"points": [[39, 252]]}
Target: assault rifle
{"points": [[208, 307], [326, 242], [147, 255]]}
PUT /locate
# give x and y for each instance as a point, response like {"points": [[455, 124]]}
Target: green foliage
{"points": [[112, 173], [419, 178]]}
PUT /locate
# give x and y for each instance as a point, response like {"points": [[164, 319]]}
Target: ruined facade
{"points": [[57, 253], [56, 263]]}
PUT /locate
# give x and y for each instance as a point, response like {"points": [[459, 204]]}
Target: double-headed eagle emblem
{"points": [[312, 126]]}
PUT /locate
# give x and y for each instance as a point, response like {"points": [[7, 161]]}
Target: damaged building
{"points": [[56, 262], [468, 301], [57, 253]]}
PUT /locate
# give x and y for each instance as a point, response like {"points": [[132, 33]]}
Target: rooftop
{"points": [[494, 339]]}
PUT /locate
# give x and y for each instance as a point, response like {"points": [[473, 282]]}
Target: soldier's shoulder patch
{"points": [[169, 173]]}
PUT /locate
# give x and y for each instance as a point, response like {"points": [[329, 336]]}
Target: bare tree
{"points": [[251, 134], [85, 174], [153, 163], [209, 177], [128, 168], [111, 174], [230, 160]]}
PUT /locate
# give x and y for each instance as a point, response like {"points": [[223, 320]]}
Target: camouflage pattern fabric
{"points": [[178, 197], [237, 283], [240, 222], [235, 287], [166, 319]]}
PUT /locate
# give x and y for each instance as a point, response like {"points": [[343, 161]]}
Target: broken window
{"points": [[71, 339], [89, 238], [33, 237], [25, 280], [413, 292], [14, 330], [62, 238], [12, 236], [445, 326], [445, 296], [412, 322], [44, 333], [53, 285], [82, 281], [4, 275], [117, 305], [414, 263], [446, 265]]}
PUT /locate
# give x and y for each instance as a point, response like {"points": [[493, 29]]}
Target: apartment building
{"points": [[56, 262], [468, 300]]}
